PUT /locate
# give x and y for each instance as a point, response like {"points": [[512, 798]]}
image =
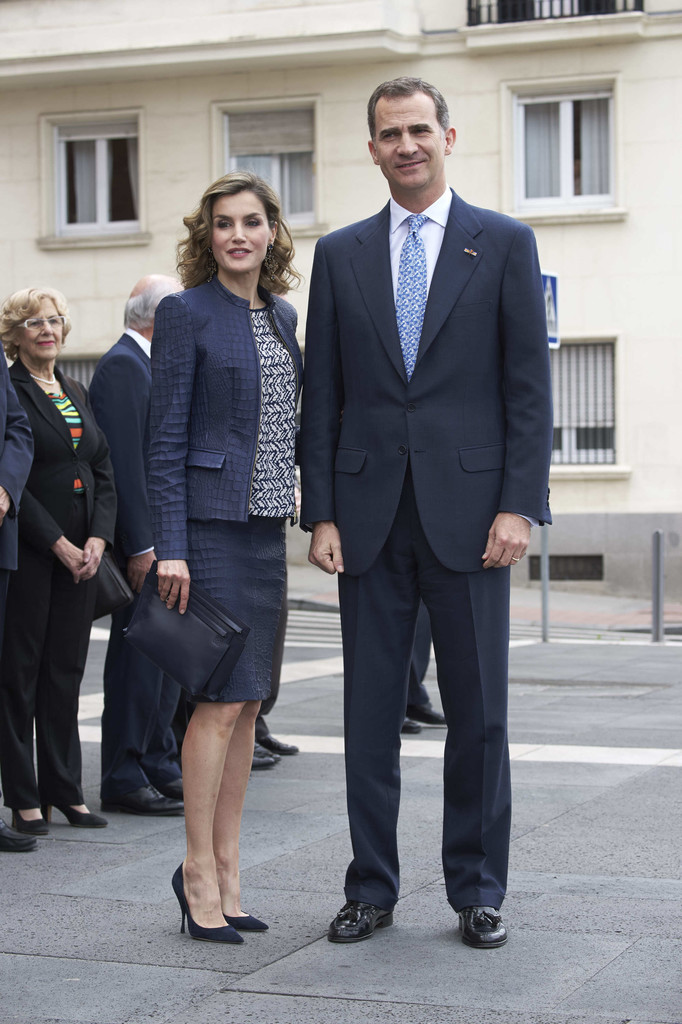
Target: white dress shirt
{"points": [[431, 231]]}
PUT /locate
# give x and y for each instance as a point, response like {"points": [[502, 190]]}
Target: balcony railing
{"points": [[498, 12]]}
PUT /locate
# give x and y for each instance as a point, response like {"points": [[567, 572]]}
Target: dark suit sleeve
{"points": [[322, 397], [119, 394], [173, 364], [16, 454], [527, 383]]}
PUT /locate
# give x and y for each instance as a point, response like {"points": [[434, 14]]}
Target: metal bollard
{"points": [[658, 588]]}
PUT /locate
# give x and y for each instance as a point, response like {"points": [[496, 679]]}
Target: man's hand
{"points": [[174, 578], [325, 547], [137, 567], [4, 503], [507, 541]]}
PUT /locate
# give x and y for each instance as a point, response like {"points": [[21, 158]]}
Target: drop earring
{"points": [[211, 265], [270, 262]]}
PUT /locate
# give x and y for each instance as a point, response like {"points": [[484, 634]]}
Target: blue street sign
{"points": [[550, 286]]}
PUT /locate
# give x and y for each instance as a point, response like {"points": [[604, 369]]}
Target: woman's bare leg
{"points": [[208, 738], [228, 812]]}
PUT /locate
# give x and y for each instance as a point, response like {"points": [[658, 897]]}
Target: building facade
{"points": [[115, 116]]}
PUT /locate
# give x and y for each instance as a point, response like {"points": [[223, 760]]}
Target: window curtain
{"points": [[542, 149], [594, 147], [84, 182], [134, 175]]}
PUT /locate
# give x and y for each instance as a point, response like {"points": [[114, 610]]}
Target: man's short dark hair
{"points": [[407, 87]]}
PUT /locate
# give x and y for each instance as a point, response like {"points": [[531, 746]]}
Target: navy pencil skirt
{"points": [[243, 565]]}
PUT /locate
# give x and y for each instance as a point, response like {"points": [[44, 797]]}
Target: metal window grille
{"points": [[584, 404], [491, 12], [80, 369]]}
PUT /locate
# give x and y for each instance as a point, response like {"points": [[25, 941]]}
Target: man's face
{"points": [[410, 148]]}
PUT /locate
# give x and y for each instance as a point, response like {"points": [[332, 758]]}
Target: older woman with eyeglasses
{"points": [[68, 509]]}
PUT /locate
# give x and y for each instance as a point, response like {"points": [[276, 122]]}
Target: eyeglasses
{"points": [[36, 323]]}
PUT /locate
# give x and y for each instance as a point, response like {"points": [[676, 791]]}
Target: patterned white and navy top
{"points": [[272, 491]]}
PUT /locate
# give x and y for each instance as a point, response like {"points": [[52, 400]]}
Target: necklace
{"points": [[43, 379]]}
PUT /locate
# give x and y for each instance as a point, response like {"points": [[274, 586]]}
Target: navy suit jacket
{"points": [[475, 419], [205, 409], [16, 457], [120, 392]]}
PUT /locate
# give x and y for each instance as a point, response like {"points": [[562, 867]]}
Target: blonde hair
{"points": [[21, 306], [193, 251]]}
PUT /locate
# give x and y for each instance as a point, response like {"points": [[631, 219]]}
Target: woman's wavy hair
{"points": [[21, 306], [193, 251]]}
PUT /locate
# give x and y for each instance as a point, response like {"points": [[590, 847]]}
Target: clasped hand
{"points": [[82, 563]]}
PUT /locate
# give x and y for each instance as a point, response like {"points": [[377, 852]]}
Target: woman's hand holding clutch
{"points": [[174, 580]]}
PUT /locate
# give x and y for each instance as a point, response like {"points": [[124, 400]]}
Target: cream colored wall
{"points": [[618, 279]]}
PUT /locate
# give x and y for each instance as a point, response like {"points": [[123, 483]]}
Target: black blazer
{"points": [[47, 497]]}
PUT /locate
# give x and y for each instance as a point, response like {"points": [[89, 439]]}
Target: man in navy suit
{"points": [[426, 442], [140, 771], [16, 457]]}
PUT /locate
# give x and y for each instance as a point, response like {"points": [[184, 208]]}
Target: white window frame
{"points": [[305, 222], [572, 458], [566, 200], [55, 232]]}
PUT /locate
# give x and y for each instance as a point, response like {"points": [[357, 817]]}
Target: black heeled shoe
{"points": [[79, 819], [29, 826], [246, 924], [225, 934]]}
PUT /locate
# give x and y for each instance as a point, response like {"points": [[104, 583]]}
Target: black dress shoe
{"points": [[357, 921], [147, 801], [262, 758], [276, 746], [410, 728], [425, 713], [14, 842], [482, 927], [172, 789]]}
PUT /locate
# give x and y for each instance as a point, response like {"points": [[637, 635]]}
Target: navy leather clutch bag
{"points": [[198, 649]]}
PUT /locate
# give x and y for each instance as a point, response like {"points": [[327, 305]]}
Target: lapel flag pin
{"points": [[471, 252]]}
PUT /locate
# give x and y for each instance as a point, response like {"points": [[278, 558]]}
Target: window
{"points": [[97, 178], [278, 145], [564, 151], [584, 403]]}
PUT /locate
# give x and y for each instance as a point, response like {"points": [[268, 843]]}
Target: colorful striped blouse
{"points": [[75, 425]]}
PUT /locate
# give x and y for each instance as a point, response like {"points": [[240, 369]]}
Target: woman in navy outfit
{"points": [[226, 376]]}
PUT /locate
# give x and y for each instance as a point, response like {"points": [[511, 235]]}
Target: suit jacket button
{"points": [[411, 407], [402, 450]]}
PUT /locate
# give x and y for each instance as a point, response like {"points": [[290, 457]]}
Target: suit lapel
{"points": [[372, 268], [454, 268]]}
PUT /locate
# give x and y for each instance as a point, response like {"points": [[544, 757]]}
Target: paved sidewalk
{"points": [[90, 927]]}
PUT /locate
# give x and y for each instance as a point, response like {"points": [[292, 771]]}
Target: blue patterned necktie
{"points": [[410, 300]]}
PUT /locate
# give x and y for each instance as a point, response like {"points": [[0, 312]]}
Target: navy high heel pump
{"points": [[246, 924], [225, 934]]}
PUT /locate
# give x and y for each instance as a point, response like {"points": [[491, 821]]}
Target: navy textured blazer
{"points": [[48, 495], [120, 393], [205, 408], [475, 419], [16, 456]]}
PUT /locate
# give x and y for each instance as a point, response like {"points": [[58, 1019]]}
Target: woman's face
{"points": [[240, 236], [41, 343]]}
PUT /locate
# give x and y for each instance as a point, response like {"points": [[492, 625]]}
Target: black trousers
{"points": [[47, 631], [469, 614]]}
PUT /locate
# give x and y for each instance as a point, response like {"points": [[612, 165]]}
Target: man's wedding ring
{"points": [[515, 559]]}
